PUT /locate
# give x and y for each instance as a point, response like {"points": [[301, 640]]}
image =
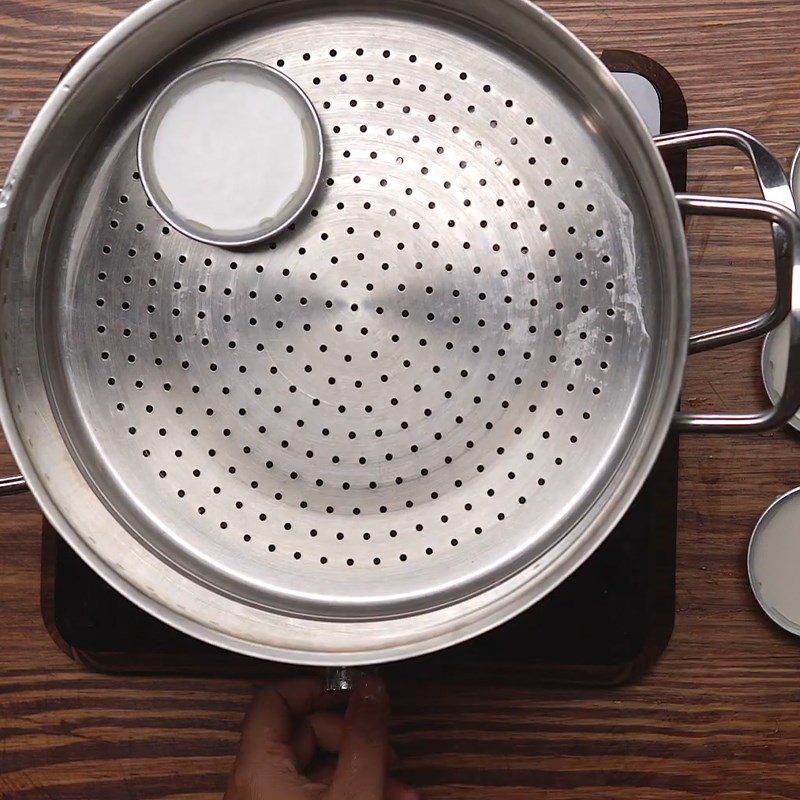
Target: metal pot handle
{"points": [[777, 208], [776, 188], [9, 486], [789, 402]]}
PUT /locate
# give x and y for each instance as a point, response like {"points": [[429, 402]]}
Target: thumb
{"points": [[364, 753]]}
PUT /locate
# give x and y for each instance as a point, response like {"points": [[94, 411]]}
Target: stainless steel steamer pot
{"points": [[415, 413]]}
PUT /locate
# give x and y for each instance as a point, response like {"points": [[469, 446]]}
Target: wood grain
{"points": [[719, 714]]}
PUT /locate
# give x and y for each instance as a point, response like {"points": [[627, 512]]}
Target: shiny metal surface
{"points": [[224, 69], [786, 404], [771, 350], [774, 361], [344, 679], [789, 500], [15, 485], [403, 421], [775, 188], [777, 191], [795, 175]]}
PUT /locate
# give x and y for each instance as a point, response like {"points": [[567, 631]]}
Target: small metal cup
{"points": [[174, 174], [770, 597]]}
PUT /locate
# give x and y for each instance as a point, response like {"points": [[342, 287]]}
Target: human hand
{"points": [[288, 732]]}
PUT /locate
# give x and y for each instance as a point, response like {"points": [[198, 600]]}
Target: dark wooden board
{"points": [[717, 717]]}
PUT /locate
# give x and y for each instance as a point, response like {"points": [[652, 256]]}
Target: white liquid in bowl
{"points": [[774, 562], [230, 152]]}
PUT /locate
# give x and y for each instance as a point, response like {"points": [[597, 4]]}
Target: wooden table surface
{"points": [[720, 714]]}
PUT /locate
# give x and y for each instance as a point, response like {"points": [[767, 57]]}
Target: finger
{"points": [[323, 731], [271, 720], [323, 774], [303, 743], [265, 757], [364, 751], [320, 731], [397, 790], [302, 695], [328, 730], [274, 707], [393, 789]]}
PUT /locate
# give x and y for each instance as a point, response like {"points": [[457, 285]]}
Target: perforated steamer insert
{"points": [[346, 416], [607, 623]]}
